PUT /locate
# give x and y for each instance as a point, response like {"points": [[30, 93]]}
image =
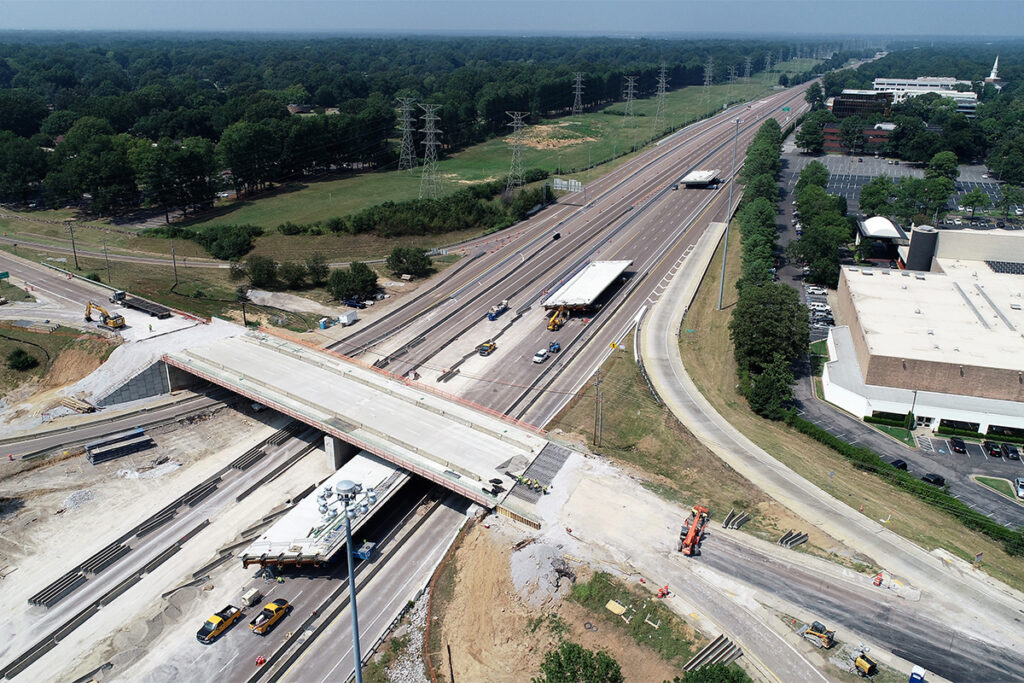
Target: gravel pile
{"points": [[78, 499], [408, 668], [534, 574]]}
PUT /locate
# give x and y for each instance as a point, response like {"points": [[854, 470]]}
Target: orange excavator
{"points": [[692, 532]]}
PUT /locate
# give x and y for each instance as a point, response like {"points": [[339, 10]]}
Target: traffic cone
{"points": [[878, 579]]}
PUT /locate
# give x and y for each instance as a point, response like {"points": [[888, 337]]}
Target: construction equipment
{"points": [[818, 635], [497, 310], [114, 322], [487, 348], [554, 347], [865, 666], [558, 319], [156, 310], [692, 532]]}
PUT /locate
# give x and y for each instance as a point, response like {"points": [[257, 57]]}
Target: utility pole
{"points": [[597, 401], [107, 260], [659, 118], [407, 158], [429, 182], [71, 229], [728, 213], [515, 171], [709, 76], [577, 90], [174, 262]]}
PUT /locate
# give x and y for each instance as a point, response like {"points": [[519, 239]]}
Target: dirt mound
{"points": [[73, 364], [552, 136], [496, 635]]}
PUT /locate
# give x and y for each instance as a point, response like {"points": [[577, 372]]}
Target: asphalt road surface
{"points": [[886, 618]]}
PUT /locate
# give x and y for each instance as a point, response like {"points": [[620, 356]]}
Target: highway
{"points": [[630, 214]]}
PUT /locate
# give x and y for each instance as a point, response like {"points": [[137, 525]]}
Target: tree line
{"points": [[476, 207], [769, 325], [166, 123]]}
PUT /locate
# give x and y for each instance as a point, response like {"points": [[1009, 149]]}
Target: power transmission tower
{"points": [[407, 158], [768, 67], [732, 82], [577, 90], [709, 71], [430, 185], [515, 171], [630, 95], [747, 63], [659, 117]]}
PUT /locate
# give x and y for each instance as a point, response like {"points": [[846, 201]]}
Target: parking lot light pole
{"points": [[728, 212], [348, 492]]}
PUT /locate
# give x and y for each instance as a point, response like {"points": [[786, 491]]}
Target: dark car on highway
{"points": [[992, 448], [958, 445], [934, 479], [1010, 451]]}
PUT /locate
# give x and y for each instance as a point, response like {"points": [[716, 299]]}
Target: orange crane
{"points": [[692, 532]]}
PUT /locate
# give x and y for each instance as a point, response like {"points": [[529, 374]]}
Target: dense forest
{"points": [[930, 124], [114, 123]]}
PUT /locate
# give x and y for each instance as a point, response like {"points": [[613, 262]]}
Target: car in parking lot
{"points": [[934, 479], [992, 449], [899, 464], [1010, 451], [958, 445], [818, 291], [957, 221], [1018, 486]]}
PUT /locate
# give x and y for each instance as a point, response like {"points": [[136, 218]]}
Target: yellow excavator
{"points": [[114, 322], [558, 319]]}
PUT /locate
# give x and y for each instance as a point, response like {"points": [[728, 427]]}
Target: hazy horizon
{"points": [[937, 19]]}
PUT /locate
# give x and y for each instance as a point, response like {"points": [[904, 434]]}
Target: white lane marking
{"points": [[229, 662]]}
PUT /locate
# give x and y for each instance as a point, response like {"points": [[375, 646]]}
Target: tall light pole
{"points": [[348, 492], [728, 211]]}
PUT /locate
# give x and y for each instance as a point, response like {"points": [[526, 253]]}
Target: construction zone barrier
{"points": [[792, 538]]}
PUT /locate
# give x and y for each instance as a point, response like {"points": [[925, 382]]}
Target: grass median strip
{"points": [[998, 484]]}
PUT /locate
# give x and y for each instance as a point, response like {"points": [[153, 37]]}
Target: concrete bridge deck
{"points": [[439, 437]]}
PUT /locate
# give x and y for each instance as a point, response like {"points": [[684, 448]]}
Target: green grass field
{"points": [[997, 484], [566, 143], [903, 435]]}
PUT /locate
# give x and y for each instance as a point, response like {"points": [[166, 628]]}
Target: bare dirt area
{"points": [[551, 136], [53, 507], [498, 632]]}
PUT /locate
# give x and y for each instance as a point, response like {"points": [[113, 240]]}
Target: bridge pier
{"points": [[338, 451]]}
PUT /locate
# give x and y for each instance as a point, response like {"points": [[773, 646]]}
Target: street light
{"points": [[346, 502], [728, 211]]}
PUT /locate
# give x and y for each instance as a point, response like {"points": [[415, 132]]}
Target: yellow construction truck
{"points": [[114, 322]]}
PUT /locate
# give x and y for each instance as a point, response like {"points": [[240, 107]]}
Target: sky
{"points": [[960, 18]]}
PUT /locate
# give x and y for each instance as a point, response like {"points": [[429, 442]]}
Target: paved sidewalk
{"points": [[970, 598]]}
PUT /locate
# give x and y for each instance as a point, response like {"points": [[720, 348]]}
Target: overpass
{"points": [[473, 451]]}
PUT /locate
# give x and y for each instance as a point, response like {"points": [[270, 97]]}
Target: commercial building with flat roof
{"points": [[903, 88], [956, 335], [861, 103]]}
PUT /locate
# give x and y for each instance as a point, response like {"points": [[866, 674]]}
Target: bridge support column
{"points": [[338, 452]]}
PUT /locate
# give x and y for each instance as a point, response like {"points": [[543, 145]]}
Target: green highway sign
{"points": [[785, 109]]}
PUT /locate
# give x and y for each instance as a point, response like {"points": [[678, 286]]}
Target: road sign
{"points": [[614, 345], [785, 109], [570, 185], [4, 275]]}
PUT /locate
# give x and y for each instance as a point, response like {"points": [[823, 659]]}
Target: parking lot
{"points": [[847, 176]]}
